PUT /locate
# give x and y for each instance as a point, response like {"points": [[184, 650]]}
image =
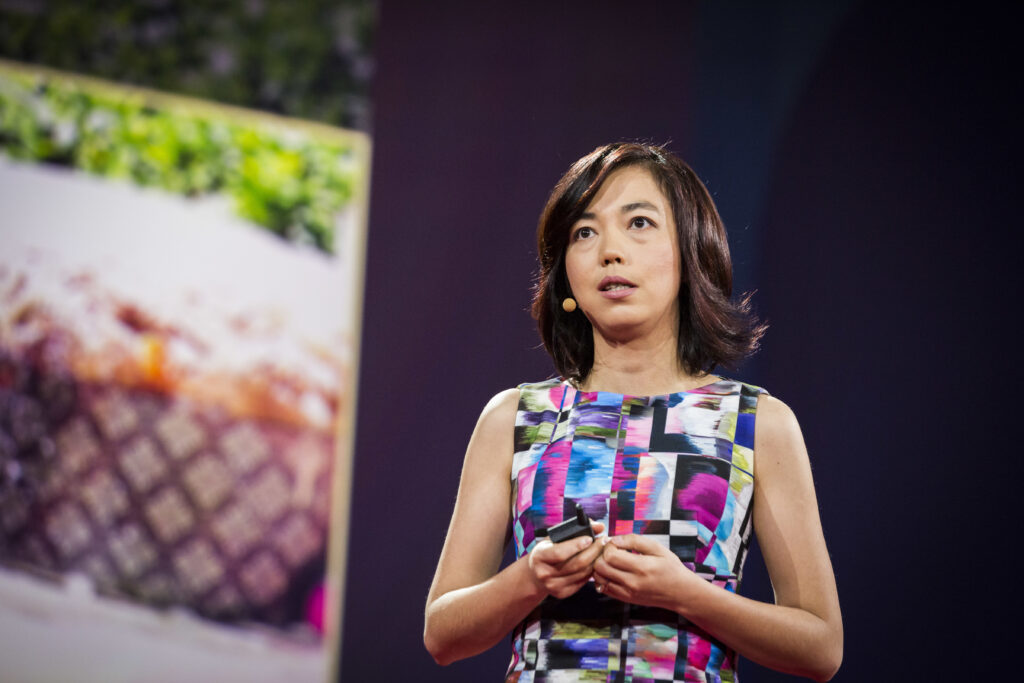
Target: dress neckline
{"points": [[693, 390]]}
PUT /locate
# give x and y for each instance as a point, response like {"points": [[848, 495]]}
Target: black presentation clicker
{"points": [[578, 525]]}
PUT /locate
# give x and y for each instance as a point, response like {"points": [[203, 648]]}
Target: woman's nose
{"points": [[611, 251]]}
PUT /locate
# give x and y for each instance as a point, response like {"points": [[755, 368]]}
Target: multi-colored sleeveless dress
{"points": [[677, 468]]}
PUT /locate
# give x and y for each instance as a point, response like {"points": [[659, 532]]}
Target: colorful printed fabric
{"points": [[677, 468]]}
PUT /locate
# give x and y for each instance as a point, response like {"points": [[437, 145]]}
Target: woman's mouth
{"points": [[614, 283], [615, 287]]}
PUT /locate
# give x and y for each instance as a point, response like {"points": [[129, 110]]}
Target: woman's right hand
{"points": [[561, 569]]}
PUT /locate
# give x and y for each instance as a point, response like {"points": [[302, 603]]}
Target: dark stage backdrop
{"points": [[866, 161]]}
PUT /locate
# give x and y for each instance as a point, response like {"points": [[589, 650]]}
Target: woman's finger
{"points": [[638, 544], [613, 590], [558, 553], [605, 572], [620, 559], [564, 586], [583, 559]]}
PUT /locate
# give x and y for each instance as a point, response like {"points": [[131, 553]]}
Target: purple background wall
{"points": [[865, 160]]}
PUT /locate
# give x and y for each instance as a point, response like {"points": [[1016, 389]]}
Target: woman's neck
{"points": [[646, 366]]}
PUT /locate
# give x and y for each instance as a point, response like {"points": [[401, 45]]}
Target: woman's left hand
{"points": [[641, 571]]}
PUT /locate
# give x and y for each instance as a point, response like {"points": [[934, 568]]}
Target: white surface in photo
{"points": [[52, 632], [238, 296]]}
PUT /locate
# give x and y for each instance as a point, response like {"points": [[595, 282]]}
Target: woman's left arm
{"points": [[802, 633]]}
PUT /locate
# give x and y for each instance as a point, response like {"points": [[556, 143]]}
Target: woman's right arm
{"points": [[471, 606]]}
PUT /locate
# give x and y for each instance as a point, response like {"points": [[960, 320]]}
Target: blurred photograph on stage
{"points": [[180, 306]]}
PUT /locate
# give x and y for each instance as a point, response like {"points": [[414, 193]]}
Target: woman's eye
{"points": [[640, 222], [582, 233]]}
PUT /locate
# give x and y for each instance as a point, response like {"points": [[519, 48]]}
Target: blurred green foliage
{"points": [[284, 179], [305, 58]]}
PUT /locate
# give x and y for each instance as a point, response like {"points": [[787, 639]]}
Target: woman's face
{"points": [[623, 258]]}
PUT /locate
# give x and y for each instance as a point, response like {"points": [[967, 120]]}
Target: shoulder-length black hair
{"points": [[713, 329]]}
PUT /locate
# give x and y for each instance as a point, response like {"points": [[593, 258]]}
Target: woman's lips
{"points": [[617, 293], [614, 287]]}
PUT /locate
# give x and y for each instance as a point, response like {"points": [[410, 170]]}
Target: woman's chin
{"points": [[625, 328]]}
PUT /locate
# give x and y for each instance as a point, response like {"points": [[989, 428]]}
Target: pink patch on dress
{"points": [[561, 395], [705, 495], [525, 483], [650, 482], [700, 555], [638, 432], [621, 527], [555, 463], [698, 652], [621, 479]]}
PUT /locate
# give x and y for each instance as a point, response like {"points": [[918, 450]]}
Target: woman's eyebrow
{"points": [[626, 208]]}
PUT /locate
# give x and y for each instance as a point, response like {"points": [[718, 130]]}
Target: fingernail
{"points": [[586, 542]]}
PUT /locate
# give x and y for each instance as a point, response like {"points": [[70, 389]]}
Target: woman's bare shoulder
{"points": [[777, 437], [501, 408], [775, 415], [493, 434]]}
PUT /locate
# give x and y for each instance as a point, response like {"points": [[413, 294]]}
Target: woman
{"points": [[632, 302]]}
